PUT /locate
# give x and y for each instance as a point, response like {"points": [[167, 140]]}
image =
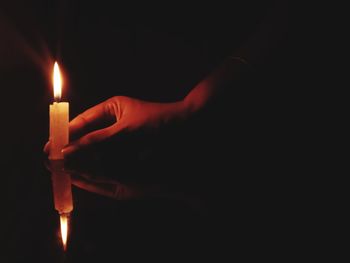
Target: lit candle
{"points": [[59, 119]]}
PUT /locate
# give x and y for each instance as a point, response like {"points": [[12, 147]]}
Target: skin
{"points": [[125, 114]]}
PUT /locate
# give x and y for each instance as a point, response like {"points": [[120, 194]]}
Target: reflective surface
{"points": [[112, 218], [194, 190], [205, 189], [143, 194]]}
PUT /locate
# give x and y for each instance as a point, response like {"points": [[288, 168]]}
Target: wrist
{"points": [[181, 110]]}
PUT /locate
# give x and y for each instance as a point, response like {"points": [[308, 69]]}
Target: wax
{"points": [[59, 129]]}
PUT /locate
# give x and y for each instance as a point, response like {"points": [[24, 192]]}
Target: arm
{"points": [[128, 114]]}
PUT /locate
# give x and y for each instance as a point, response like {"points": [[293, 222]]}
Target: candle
{"points": [[59, 119]]}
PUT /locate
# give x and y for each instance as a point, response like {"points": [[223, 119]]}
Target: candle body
{"points": [[62, 188], [59, 129]]}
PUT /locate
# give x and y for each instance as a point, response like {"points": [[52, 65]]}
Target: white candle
{"points": [[59, 119]]}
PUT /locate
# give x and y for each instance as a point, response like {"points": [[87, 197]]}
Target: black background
{"points": [[221, 158]]}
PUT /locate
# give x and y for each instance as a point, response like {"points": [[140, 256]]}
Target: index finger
{"points": [[101, 112]]}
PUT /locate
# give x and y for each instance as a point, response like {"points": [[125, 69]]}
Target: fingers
{"points": [[91, 138], [104, 111]]}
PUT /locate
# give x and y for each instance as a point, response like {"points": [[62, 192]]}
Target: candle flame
{"points": [[64, 229], [57, 82]]}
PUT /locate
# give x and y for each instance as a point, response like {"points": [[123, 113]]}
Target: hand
{"points": [[120, 114]]}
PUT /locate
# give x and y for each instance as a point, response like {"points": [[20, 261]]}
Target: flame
{"points": [[57, 82], [64, 229]]}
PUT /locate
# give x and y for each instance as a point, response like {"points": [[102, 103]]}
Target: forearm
{"points": [[229, 71]]}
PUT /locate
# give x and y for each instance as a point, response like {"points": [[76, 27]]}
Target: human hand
{"points": [[118, 114]]}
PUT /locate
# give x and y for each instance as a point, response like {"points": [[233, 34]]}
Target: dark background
{"points": [[221, 158]]}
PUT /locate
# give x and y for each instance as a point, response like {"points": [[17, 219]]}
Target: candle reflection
{"points": [[62, 193], [112, 188], [64, 229], [65, 177]]}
